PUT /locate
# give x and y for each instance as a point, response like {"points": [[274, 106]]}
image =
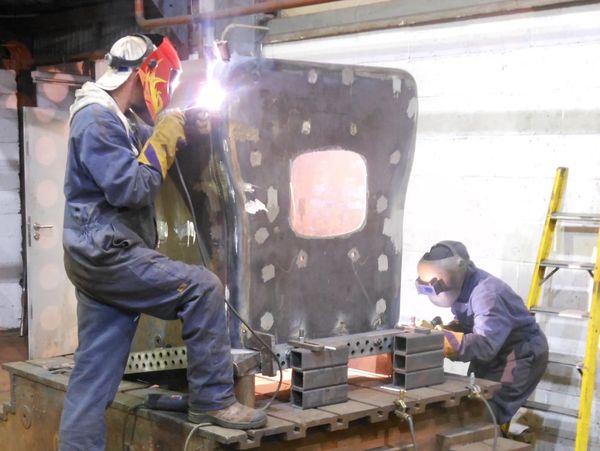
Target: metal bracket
{"points": [[266, 358], [400, 403], [245, 362]]}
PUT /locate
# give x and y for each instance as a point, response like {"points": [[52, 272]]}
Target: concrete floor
{"points": [[12, 348]]}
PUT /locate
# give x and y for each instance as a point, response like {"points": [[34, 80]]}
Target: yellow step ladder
{"points": [[545, 267]]}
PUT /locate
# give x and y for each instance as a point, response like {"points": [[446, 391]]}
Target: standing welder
{"points": [[492, 328], [113, 173]]}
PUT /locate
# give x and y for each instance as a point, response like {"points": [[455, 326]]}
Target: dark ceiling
{"points": [[64, 30], [57, 31]]}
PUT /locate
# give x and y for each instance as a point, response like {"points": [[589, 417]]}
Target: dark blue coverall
{"points": [[109, 239], [502, 340]]}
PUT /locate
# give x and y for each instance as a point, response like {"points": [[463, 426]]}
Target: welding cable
{"points": [[489, 408], [189, 436], [475, 392], [411, 427], [229, 306], [132, 409]]}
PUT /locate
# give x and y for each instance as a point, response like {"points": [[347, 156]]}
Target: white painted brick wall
{"points": [[11, 264], [502, 103]]}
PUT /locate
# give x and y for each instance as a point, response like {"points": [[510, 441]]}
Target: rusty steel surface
{"points": [[363, 422]]}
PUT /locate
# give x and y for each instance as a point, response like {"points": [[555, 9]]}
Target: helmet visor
{"points": [[441, 280], [431, 288]]}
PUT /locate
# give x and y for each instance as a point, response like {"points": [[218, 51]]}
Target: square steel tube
{"points": [[417, 379], [307, 399], [322, 377], [418, 361], [304, 359], [412, 342]]}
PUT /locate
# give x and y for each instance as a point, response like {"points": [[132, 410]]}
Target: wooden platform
{"points": [[367, 417], [13, 348]]}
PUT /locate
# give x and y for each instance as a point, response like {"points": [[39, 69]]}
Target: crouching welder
{"points": [[114, 170], [492, 328]]}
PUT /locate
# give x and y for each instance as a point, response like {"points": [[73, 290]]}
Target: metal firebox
{"points": [[298, 190], [340, 139]]}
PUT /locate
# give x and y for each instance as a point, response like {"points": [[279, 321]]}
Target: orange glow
{"points": [[328, 193]]}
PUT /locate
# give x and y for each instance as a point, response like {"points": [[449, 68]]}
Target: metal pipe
{"points": [[231, 26], [258, 8]]}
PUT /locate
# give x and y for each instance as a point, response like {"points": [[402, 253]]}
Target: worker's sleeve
{"points": [[106, 153], [491, 327]]}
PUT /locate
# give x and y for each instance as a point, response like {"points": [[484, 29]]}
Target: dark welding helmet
{"points": [[442, 271]]}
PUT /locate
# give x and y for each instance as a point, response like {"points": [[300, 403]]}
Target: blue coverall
{"points": [[502, 340], [109, 239]]}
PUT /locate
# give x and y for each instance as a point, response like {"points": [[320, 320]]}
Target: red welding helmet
{"points": [[159, 74]]}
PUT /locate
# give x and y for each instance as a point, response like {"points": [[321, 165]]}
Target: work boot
{"points": [[236, 416]]}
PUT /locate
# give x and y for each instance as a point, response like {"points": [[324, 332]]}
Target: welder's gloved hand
{"points": [[424, 324], [160, 149], [452, 342], [454, 326], [197, 121]]}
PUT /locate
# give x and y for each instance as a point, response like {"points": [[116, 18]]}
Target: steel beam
{"points": [[414, 342], [419, 361], [359, 345], [308, 380], [308, 399], [417, 379], [303, 359], [397, 13], [245, 361]]}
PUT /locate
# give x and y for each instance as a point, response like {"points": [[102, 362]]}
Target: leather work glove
{"points": [[454, 326], [452, 342], [197, 121], [159, 151], [424, 324]]}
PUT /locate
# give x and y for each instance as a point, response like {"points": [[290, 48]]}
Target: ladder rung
{"points": [[551, 408], [565, 313], [587, 266], [576, 217], [565, 359]]}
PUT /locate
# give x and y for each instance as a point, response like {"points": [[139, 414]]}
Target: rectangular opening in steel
{"points": [[400, 343], [400, 380], [297, 398], [297, 379], [400, 362], [296, 359]]}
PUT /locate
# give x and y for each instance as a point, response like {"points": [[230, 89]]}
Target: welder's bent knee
{"points": [[208, 281]]}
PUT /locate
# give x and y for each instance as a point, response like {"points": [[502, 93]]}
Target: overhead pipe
{"points": [[268, 6]]}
